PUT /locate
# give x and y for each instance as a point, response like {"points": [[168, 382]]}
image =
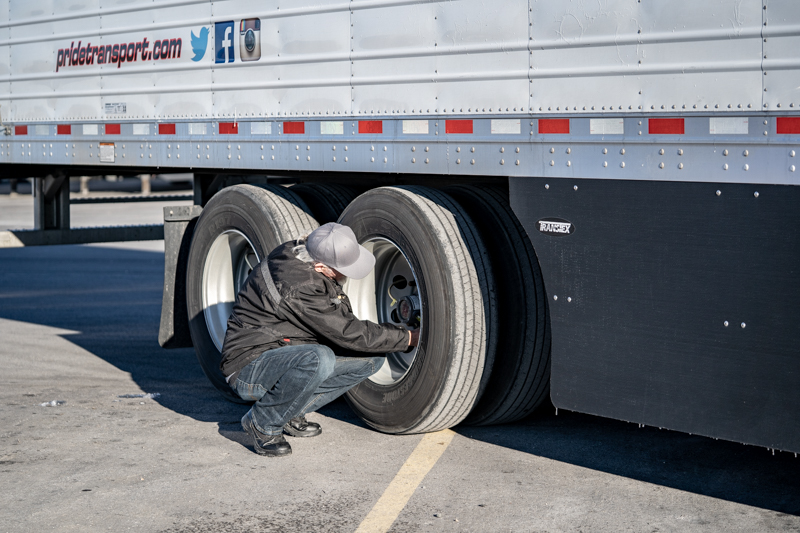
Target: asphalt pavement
{"points": [[79, 325]]}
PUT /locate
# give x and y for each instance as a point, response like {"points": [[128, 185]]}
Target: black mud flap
{"points": [[179, 223], [674, 305]]}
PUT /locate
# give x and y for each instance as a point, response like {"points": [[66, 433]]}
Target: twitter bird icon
{"points": [[199, 44]]}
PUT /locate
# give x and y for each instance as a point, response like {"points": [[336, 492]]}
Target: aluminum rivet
{"points": [[569, 298], [552, 162], [413, 159], [552, 150], [661, 165], [661, 152], [458, 161], [546, 186], [555, 297], [725, 166], [569, 163], [766, 122], [743, 325], [458, 149], [385, 160], [791, 168], [297, 157], [719, 192], [334, 158], [622, 151], [745, 153], [502, 150], [273, 157], [472, 149], [472, 162], [427, 149], [755, 194], [518, 150], [345, 148], [747, 167], [345, 160], [574, 187], [517, 163], [622, 165], [427, 160], [725, 323], [680, 166], [725, 152], [569, 150], [791, 153], [384, 148], [502, 161], [605, 163], [680, 151], [605, 150]]}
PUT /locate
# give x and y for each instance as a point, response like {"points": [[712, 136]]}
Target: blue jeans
{"points": [[295, 380]]}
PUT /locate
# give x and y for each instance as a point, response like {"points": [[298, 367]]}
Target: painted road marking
{"points": [[402, 487]]}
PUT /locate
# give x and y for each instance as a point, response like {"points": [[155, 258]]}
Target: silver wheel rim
{"points": [[372, 300], [230, 260]]}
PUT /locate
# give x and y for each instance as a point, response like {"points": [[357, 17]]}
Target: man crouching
{"points": [[289, 309]]}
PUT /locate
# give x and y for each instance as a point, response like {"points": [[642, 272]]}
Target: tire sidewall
{"points": [[400, 407]]}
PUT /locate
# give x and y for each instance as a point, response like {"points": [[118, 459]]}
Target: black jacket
{"points": [[285, 301]]}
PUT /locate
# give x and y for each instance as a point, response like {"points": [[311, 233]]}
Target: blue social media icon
{"points": [[223, 42], [199, 44]]}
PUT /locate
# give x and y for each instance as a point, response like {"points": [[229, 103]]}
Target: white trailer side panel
{"points": [[331, 57]]}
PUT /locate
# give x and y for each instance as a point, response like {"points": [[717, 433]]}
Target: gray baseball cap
{"points": [[336, 246]]}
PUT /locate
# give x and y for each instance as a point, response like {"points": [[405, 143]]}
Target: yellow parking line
{"points": [[402, 487]]}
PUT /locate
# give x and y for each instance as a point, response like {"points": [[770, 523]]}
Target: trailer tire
{"points": [[326, 200], [425, 231], [520, 376], [239, 226]]}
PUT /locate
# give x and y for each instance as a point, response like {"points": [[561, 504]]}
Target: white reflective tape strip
{"points": [[261, 128], [141, 129], [331, 128], [505, 125], [41, 129], [728, 126], [606, 126], [197, 128], [415, 126], [90, 129]]}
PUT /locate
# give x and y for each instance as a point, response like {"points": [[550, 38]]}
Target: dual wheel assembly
{"points": [[454, 262]]}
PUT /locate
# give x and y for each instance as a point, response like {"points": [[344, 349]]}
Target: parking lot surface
{"points": [[81, 448]]}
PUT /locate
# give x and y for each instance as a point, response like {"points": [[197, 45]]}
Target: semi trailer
{"points": [[593, 204]]}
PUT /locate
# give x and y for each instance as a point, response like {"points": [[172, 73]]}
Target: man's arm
{"points": [[334, 322]]}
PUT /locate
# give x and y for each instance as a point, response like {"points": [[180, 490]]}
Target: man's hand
{"points": [[413, 337]]}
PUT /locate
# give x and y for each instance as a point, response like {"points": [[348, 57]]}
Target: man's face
{"points": [[329, 272]]}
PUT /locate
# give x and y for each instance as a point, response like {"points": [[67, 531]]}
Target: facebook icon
{"points": [[223, 42]]}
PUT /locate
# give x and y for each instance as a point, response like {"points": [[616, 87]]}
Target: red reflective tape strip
{"points": [[665, 126], [788, 125], [230, 128], [370, 126], [112, 129], [166, 129], [20, 130], [554, 125], [458, 126], [63, 129], [294, 127]]}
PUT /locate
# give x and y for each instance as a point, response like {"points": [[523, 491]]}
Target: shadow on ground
{"points": [[112, 297]]}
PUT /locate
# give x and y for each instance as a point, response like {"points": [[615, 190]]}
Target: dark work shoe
{"points": [[300, 427], [269, 445]]}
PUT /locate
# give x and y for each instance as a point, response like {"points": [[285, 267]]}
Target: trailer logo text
{"points": [[557, 227], [117, 54]]}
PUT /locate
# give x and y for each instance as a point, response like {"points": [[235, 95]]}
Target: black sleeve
{"points": [[335, 322]]}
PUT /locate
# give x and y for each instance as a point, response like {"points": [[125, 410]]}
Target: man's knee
{"points": [[322, 359]]}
